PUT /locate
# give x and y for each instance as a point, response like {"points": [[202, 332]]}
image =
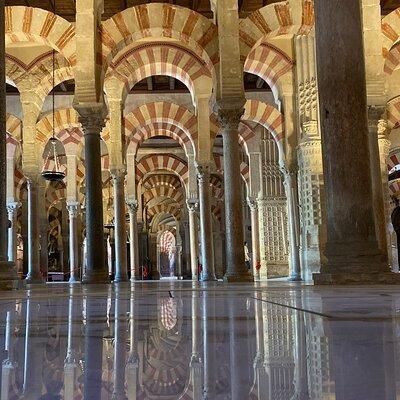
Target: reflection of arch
{"points": [[161, 58], [159, 21], [28, 24], [161, 162], [275, 20]]}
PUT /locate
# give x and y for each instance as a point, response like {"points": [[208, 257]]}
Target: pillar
{"points": [[229, 117], [34, 272], [193, 237], [8, 274], [12, 209], [133, 239], [96, 267], [206, 236], [121, 262], [73, 210], [132, 365], [9, 365], [290, 182], [352, 251], [255, 237]]}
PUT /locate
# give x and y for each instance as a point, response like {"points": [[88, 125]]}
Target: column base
{"points": [[119, 279], [9, 279], [208, 278], [362, 278], [73, 279], [295, 279], [96, 278], [34, 279], [244, 277]]}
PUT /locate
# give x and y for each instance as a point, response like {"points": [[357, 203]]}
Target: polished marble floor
{"points": [[182, 340]]}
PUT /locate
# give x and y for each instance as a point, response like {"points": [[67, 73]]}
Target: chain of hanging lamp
{"points": [[53, 174]]}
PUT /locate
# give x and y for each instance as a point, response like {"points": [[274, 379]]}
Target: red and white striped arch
{"points": [[159, 22], [27, 24], [162, 162], [393, 113], [161, 112], [390, 38], [167, 180], [161, 58], [167, 243], [164, 192], [295, 17], [158, 209]]}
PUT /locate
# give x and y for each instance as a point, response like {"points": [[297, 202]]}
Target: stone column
{"points": [[121, 262], [133, 239], [352, 251], [96, 267], [9, 365], [8, 273], [192, 206], [255, 237], [34, 272], [229, 114], [73, 210], [206, 237], [12, 209], [290, 182]]}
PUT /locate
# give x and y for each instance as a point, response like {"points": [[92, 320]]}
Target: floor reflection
{"points": [[147, 342]]}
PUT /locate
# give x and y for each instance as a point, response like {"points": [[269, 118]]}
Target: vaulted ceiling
{"points": [[66, 8]]}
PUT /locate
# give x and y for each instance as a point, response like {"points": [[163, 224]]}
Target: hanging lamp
{"points": [[53, 174]]}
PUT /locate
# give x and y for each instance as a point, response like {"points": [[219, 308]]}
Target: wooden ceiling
{"points": [[66, 8]]}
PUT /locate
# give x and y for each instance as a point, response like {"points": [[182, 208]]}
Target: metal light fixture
{"points": [[53, 174]]}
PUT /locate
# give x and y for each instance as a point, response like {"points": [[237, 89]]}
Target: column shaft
{"points": [[73, 242], [255, 238], [121, 262], [352, 250], [193, 239], [12, 231], [133, 240], [206, 237], [236, 267], [96, 266]]}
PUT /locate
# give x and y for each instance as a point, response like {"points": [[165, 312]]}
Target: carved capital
{"points": [[92, 118], [118, 175], [203, 172], [252, 203], [132, 206], [73, 209], [192, 204], [229, 118]]}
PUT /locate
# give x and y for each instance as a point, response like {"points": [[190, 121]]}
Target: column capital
{"points": [[376, 113], [203, 171], [192, 204], [92, 118], [73, 209], [118, 174], [289, 171], [13, 207], [229, 117], [132, 205], [252, 203]]}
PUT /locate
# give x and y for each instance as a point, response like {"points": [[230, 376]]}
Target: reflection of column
{"points": [[121, 263], [96, 267], [132, 365], [95, 314], [34, 274], [229, 119], [12, 209], [73, 209], [206, 237], [209, 361], [34, 352], [293, 222], [71, 363], [133, 239], [192, 205], [119, 392], [352, 250], [9, 365], [255, 238]]}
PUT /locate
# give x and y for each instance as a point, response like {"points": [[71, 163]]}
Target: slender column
{"points": [[352, 251], [12, 209], [34, 272], [206, 237], [192, 206], [255, 237], [121, 262], [96, 267], [236, 267], [290, 182], [9, 365], [132, 365], [133, 239], [73, 209]]}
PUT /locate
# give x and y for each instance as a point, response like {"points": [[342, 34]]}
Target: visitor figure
{"points": [[247, 256], [395, 217]]}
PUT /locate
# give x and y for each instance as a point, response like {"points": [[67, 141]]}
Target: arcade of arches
{"points": [[183, 135]]}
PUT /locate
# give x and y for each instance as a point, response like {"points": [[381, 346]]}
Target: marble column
{"points": [[229, 117], [96, 267], [121, 262], [8, 273], [352, 250], [206, 236], [73, 210], [9, 365], [255, 237], [193, 237], [290, 182], [133, 239], [34, 272], [12, 209]]}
